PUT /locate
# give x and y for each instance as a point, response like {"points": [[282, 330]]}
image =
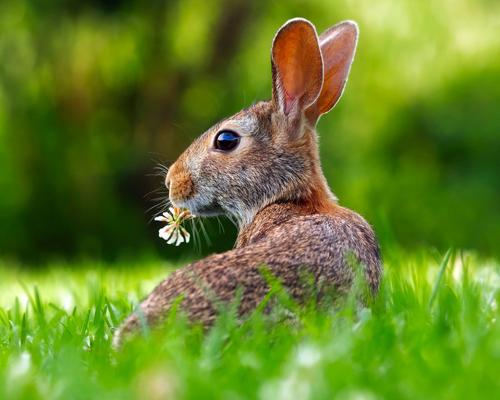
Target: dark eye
{"points": [[226, 140]]}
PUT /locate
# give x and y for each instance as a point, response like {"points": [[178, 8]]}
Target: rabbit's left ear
{"points": [[297, 67], [338, 45]]}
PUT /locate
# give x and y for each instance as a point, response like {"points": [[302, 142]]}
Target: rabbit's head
{"points": [[268, 152]]}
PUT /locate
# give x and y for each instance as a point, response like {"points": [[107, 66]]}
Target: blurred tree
{"points": [[94, 94]]}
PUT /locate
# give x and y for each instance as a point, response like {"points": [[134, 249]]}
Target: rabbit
{"points": [[261, 167]]}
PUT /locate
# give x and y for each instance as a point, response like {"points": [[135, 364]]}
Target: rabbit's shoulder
{"points": [[327, 240], [341, 225]]}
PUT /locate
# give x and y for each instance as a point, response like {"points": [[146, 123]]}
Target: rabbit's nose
{"points": [[178, 181]]}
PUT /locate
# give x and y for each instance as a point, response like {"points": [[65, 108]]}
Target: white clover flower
{"points": [[174, 232]]}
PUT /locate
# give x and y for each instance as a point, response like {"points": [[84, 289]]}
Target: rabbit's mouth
{"points": [[199, 206]]}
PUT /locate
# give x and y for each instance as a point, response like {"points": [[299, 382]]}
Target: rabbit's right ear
{"points": [[297, 67], [338, 45]]}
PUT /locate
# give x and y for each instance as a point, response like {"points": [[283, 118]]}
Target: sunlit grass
{"points": [[433, 332]]}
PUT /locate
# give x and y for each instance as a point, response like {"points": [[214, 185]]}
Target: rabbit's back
{"points": [[328, 244], [318, 245]]}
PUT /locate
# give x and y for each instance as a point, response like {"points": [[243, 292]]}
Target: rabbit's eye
{"points": [[226, 140]]}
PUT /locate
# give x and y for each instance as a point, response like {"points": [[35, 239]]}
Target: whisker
{"points": [[160, 207], [161, 198], [232, 220], [159, 159], [196, 236], [154, 215], [160, 174], [156, 207], [220, 224], [204, 231], [155, 192]]}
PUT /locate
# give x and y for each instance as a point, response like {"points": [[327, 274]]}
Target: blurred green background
{"points": [[93, 94]]}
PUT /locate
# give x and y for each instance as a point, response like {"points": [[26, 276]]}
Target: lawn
{"points": [[433, 332]]}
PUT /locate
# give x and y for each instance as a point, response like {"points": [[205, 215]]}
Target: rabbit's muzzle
{"points": [[179, 183]]}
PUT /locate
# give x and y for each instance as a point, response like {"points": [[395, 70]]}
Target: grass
{"points": [[433, 332]]}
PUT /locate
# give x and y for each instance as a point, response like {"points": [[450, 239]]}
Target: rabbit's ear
{"points": [[338, 45], [297, 67]]}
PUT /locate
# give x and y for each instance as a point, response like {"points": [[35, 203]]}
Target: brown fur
{"points": [[273, 185], [184, 185]]}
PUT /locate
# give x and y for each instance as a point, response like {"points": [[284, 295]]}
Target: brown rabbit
{"points": [[261, 167]]}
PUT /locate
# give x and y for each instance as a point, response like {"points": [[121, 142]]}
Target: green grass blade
{"points": [[439, 278]]}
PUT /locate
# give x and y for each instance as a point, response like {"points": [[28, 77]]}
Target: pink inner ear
{"points": [[298, 65], [338, 45]]}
